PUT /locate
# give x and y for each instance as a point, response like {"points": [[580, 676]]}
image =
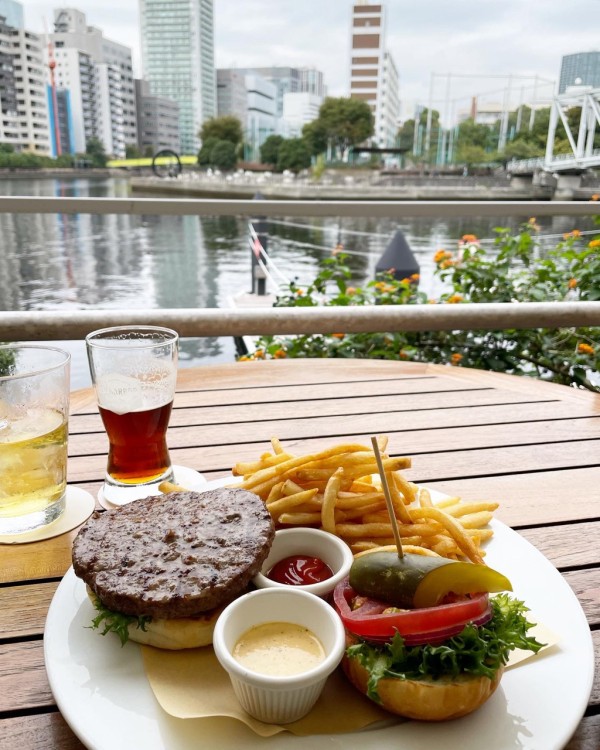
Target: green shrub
{"points": [[516, 271]]}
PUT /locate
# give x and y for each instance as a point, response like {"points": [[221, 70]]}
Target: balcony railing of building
{"points": [[59, 325]]}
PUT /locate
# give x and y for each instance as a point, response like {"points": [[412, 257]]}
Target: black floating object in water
{"points": [[399, 258]]}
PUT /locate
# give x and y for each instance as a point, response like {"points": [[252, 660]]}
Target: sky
{"points": [[445, 51]]}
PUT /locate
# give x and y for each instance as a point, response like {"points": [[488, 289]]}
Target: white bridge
{"points": [[582, 154]]}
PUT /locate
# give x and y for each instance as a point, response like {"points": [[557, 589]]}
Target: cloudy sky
{"points": [[446, 51]]}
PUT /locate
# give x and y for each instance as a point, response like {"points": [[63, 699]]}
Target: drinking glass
{"points": [[34, 412], [134, 370]]}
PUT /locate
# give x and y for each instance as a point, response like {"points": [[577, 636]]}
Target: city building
{"points": [[232, 97], [290, 81], [299, 109], [12, 12], [373, 73], [157, 120], [24, 120], [178, 60], [98, 73], [261, 119], [579, 69]]}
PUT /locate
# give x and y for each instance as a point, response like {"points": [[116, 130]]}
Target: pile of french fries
{"points": [[339, 490]]}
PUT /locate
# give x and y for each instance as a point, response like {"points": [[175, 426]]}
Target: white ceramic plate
{"points": [[102, 692]]}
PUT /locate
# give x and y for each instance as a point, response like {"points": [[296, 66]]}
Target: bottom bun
{"points": [[426, 700], [174, 634]]}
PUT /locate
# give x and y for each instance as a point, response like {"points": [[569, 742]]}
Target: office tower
{"points": [[232, 97], [178, 60], [373, 74], [291, 81], [98, 74], [157, 120], [299, 108], [24, 123], [580, 68]]}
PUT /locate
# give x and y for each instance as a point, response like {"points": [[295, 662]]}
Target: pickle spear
{"points": [[416, 581]]}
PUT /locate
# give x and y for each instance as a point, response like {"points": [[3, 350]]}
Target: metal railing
{"points": [[59, 325]]}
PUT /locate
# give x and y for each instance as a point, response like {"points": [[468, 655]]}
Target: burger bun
{"points": [[174, 634], [425, 700]]}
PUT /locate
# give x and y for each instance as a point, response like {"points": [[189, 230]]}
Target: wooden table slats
{"points": [[532, 446]]}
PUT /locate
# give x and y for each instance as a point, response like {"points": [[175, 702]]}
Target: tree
{"points": [[346, 122], [471, 155], [205, 152], [315, 137], [132, 151], [269, 151], [223, 155], [293, 155], [7, 148], [226, 128], [94, 149]]}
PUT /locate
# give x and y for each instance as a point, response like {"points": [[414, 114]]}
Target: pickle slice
{"points": [[416, 581]]}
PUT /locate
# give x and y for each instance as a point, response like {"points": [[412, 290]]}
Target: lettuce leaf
{"points": [[477, 650], [115, 622]]}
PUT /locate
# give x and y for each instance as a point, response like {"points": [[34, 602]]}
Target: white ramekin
{"points": [[278, 700], [315, 543]]}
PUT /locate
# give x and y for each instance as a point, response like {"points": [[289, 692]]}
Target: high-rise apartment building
{"points": [[23, 105], [373, 74], [178, 60], [581, 68], [232, 97], [99, 76]]}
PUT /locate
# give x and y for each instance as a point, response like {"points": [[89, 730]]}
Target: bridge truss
{"points": [[583, 155]]}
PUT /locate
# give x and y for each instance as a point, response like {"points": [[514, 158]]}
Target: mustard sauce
{"points": [[279, 649]]}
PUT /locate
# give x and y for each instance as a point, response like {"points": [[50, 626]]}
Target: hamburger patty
{"points": [[174, 555]]}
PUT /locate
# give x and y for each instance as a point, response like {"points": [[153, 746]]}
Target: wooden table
{"points": [[532, 445]]}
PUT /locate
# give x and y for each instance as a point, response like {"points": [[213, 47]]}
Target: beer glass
{"points": [[34, 410], [134, 369]]}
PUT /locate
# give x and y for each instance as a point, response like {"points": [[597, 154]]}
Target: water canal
{"points": [[87, 262]]}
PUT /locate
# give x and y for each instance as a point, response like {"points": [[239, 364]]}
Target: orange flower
{"points": [[533, 224], [595, 197], [243, 358], [572, 283], [448, 263], [280, 354], [455, 358], [350, 290], [299, 292], [432, 302], [585, 349], [259, 354], [337, 249], [415, 277], [575, 233], [469, 238], [405, 281], [441, 255], [338, 335], [403, 354], [594, 243], [454, 299]]}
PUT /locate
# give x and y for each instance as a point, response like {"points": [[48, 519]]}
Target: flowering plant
{"points": [[517, 270]]}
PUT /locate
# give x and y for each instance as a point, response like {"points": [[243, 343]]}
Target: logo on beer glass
{"points": [[134, 371]]}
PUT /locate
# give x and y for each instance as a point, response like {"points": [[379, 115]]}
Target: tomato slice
{"points": [[416, 626]]}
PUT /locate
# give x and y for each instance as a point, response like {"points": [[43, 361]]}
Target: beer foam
{"points": [[123, 394]]}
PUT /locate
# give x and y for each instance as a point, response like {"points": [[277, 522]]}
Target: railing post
{"points": [[261, 227]]}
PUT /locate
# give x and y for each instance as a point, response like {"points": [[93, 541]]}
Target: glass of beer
{"points": [[134, 370], [34, 410]]}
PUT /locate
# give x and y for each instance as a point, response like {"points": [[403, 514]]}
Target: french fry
{"points": [[334, 489], [411, 549], [171, 487], [329, 498], [288, 502]]}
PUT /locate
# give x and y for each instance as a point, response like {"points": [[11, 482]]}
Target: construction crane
{"points": [[51, 68]]}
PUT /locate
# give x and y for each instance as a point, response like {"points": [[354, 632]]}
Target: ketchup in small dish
{"points": [[300, 570]]}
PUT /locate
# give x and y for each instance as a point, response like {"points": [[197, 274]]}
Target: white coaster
{"points": [[78, 508], [188, 478]]}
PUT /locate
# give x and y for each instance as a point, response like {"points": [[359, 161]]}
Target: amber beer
{"points": [[138, 447], [134, 370]]}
